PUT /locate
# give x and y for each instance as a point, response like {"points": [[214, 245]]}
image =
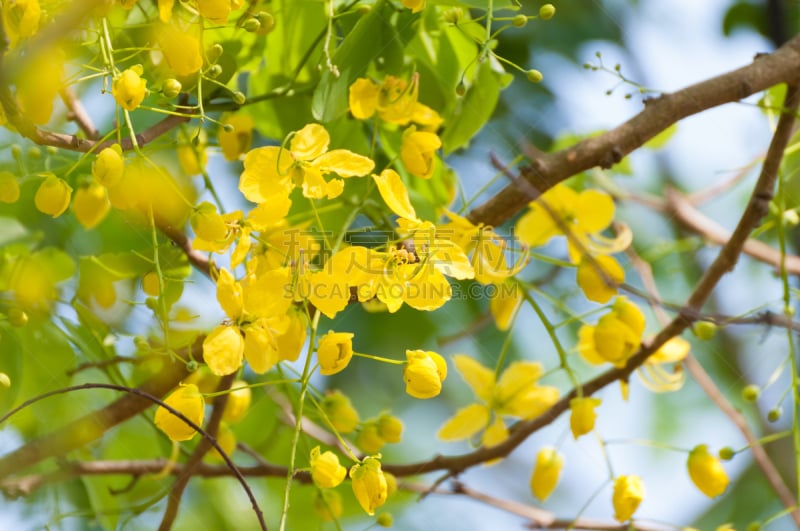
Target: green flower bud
{"points": [[519, 21], [453, 15], [726, 453], [171, 88], [751, 392], [239, 98], [704, 330], [267, 22], [774, 414], [251, 25], [461, 89], [17, 317], [547, 11], [534, 76], [34, 152], [214, 52], [385, 520], [214, 71]]}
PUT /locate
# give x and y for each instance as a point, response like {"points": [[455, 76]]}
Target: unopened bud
{"points": [[534, 76], [385, 520], [171, 88], [214, 52], [750, 393], [214, 71], [519, 21], [239, 98], [547, 11], [251, 25], [774, 414], [726, 453], [704, 330], [267, 22]]}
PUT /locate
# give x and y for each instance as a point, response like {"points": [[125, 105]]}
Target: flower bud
{"points": [[340, 412], [267, 22], [707, 472], [214, 52], [368, 438], [214, 71], [129, 89], [187, 400], [171, 88], [546, 473], [534, 76], [238, 402], [150, 284], [547, 11], [9, 187], [390, 428], [519, 21], [369, 484], [628, 494], [109, 166], [704, 330], [774, 414], [53, 195], [581, 421], [251, 25], [385, 520], [750, 393], [326, 472], [334, 352], [239, 97], [726, 453], [424, 373], [91, 205]]}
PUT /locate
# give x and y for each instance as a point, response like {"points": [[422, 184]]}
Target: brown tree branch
{"points": [[78, 114], [611, 147]]}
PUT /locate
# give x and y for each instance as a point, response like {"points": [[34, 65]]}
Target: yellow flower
{"points": [[658, 379], [90, 204], [340, 412], [236, 142], [129, 89], [38, 83], [238, 402], [581, 420], [424, 373], [21, 19], [181, 50], [9, 187], [394, 100], [628, 494], [707, 472], [418, 152], [192, 158], [52, 196], [503, 303], [328, 505], [546, 473], [599, 277], [616, 337], [165, 9], [369, 484], [579, 216], [414, 5], [334, 351], [188, 401], [326, 471], [108, 167], [514, 394]]}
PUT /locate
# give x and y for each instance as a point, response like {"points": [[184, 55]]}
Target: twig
{"points": [[711, 389], [77, 113], [176, 493], [607, 149]]}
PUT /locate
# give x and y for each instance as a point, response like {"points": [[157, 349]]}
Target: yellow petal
{"points": [[309, 142], [363, 98], [673, 351], [494, 435], [229, 294], [536, 226], [344, 163], [503, 303], [594, 210], [91, 205], [427, 289], [269, 213], [235, 143], [450, 259], [223, 350], [395, 194], [628, 494], [546, 473], [599, 278], [586, 346], [328, 293], [260, 348], [465, 423], [518, 377], [532, 402], [266, 174], [53, 195], [480, 378], [181, 50]]}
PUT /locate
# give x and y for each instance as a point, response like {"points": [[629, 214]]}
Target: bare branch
{"points": [[607, 149]]}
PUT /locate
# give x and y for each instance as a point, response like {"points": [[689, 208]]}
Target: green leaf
{"points": [[475, 109], [352, 58]]}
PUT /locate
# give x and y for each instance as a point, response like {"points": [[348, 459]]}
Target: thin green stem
{"points": [[379, 358], [298, 426]]}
